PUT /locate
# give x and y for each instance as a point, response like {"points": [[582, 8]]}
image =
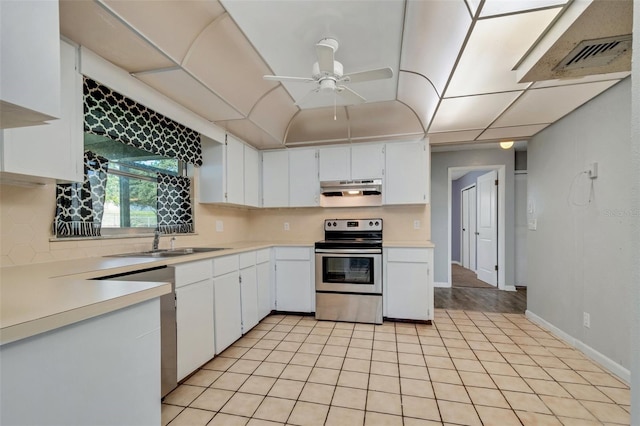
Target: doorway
{"points": [[490, 253]]}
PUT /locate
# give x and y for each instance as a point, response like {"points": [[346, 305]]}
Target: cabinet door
{"points": [[334, 163], [251, 177], [367, 161], [407, 290], [304, 186], [195, 329], [53, 150], [263, 272], [228, 314], [235, 171], [249, 297], [293, 285], [406, 173], [275, 179], [30, 77]]}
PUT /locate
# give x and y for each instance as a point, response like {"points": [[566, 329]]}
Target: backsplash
{"points": [[26, 214]]}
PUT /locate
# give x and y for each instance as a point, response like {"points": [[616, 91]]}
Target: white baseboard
{"points": [[441, 284], [613, 367], [509, 288], [455, 262]]}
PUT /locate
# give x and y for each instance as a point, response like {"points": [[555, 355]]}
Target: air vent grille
{"points": [[595, 53]]}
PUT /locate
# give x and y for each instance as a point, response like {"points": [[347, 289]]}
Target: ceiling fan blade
{"points": [[307, 96], [325, 52], [288, 79], [349, 95], [369, 75]]}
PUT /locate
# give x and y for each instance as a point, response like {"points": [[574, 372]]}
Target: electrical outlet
{"points": [[586, 319], [219, 226], [416, 224], [286, 226], [532, 224], [531, 207]]}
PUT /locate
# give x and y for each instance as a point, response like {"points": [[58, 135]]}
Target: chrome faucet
{"points": [[156, 240]]}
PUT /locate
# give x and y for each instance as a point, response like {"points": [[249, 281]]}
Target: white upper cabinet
{"points": [[251, 176], [53, 150], [275, 178], [406, 173], [29, 54], [334, 163], [367, 161], [304, 185], [351, 162], [229, 173]]}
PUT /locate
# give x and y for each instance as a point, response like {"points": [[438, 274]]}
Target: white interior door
{"points": [[465, 229], [487, 224], [473, 234]]}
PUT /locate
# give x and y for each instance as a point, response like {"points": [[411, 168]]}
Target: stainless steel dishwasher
{"points": [[168, 337]]}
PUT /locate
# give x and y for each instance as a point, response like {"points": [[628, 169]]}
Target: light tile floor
{"points": [[468, 368]]}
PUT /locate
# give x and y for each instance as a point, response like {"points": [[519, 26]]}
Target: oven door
{"points": [[349, 270]]}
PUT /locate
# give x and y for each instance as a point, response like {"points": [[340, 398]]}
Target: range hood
{"points": [[351, 193]]}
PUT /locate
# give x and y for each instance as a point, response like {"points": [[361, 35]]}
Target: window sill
{"points": [[116, 237]]}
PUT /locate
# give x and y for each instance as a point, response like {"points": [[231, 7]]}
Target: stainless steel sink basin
{"points": [[169, 253]]}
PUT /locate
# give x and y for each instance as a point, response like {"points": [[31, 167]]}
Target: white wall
{"points": [[520, 231], [635, 231], [440, 164], [579, 258]]}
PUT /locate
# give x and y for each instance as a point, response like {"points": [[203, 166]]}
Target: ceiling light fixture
{"points": [[506, 144]]}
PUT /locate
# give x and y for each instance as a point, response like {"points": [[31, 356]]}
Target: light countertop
{"points": [[41, 297]]}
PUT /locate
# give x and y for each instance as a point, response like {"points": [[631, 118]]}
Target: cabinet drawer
{"points": [[293, 253], [263, 255], [225, 265], [247, 259], [419, 255], [192, 272]]}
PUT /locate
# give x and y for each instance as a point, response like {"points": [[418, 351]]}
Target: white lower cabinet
{"points": [[294, 282], [408, 283], [263, 275], [248, 291], [227, 304], [194, 316]]}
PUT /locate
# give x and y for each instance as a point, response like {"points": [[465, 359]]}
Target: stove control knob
{"points": [[328, 223], [370, 223], [377, 223], [335, 224]]}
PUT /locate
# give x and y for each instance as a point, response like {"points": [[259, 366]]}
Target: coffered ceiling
{"points": [[465, 71]]}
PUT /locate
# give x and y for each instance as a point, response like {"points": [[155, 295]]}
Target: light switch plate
{"points": [[286, 226], [416, 224], [219, 226]]}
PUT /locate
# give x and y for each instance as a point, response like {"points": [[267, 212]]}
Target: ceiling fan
{"points": [[328, 75]]}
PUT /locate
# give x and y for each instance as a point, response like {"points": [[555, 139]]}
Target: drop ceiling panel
{"points": [[171, 25], [494, 48], [471, 112], [415, 91], [578, 80], [383, 119], [318, 125], [223, 60], [501, 7], [511, 132], [92, 26], [178, 85], [285, 33], [424, 50], [273, 112], [550, 104], [453, 137], [247, 131]]}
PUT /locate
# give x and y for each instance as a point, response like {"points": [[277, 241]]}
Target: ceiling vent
{"points": [[595, 53]]}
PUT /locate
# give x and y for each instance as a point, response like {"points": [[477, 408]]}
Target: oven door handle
{"points": [[350, 251]]}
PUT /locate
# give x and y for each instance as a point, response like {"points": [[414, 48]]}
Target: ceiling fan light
{"points": [[506, 144]]}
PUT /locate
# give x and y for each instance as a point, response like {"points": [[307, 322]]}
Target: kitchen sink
{"points": [[169, 253]]}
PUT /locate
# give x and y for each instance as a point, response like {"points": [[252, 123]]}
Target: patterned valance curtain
{"points": [[174, 204], [80, 205], [108, 113]]}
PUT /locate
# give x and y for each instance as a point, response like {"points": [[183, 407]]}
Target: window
{"points": [[131, 194]]}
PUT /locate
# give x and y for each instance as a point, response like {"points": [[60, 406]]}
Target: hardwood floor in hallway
{"points": [[481, 299]]}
